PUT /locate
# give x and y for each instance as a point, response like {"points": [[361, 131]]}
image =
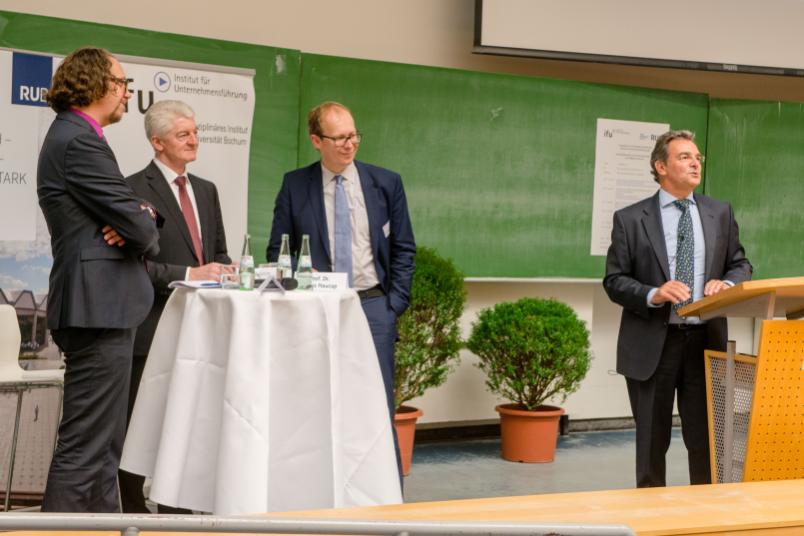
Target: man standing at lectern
{"points": [[666, 251], [357, 217]]}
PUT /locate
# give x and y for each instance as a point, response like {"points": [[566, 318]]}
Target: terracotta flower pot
{"points": [[529, 436], [405, 424]]}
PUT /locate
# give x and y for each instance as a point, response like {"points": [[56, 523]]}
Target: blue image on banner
{"points": [[30, 78]]}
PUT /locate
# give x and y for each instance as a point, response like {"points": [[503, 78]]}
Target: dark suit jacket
{"points": [[299, 209], [176, 252], [637, 262], [81, 189]]}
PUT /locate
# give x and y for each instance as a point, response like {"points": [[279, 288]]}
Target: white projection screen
{"points": [[714, 35]]}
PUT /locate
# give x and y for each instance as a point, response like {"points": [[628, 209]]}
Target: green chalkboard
{"points": [[755, 162], [498, 169], [276, 83]]}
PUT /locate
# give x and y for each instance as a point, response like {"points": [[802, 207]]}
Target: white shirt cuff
{"points": [[652, 292]]}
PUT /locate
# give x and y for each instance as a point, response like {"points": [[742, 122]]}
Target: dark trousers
{"points": [[382, 322], [132, 497], [681, 372], [83, 473]]}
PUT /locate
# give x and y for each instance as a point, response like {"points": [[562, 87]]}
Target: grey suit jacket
{"points": [[176, 252], [81, 189], [637, 262]]}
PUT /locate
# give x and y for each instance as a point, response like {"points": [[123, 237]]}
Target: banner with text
{"points": [[224, 106]]}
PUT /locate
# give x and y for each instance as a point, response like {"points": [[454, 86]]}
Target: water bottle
{"points": [[284, 268], [304, 271], [246, 265]]}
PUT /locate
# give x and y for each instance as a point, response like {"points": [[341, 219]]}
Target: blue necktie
{"points": [[685, 249], [343, 231]]}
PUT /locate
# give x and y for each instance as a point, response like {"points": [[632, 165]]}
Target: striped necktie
{"points": [[685, 249]]}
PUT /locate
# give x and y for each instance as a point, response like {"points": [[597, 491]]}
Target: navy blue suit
{"points": [[299, 209]]}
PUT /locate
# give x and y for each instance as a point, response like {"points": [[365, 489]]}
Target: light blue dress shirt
{"points": [[670, 216]]}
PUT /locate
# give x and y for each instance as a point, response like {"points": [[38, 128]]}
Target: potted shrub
{"points": [[429, 339], [531, 350]]}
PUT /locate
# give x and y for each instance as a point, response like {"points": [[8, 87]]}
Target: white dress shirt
{"points": [[170, 177], [364, 275]]}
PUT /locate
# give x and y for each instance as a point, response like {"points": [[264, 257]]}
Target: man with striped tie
{"points": [[666, 251]]}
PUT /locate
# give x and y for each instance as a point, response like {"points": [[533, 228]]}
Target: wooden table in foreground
{"points": [[774, 508]]}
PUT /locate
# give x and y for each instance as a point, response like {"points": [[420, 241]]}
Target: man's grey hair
{"points": [[660, 152], [159, 117]]}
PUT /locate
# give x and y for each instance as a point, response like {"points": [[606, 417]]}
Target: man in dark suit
{"points": [[99, 289], [192, 242], [667, 250], [358, 210]]}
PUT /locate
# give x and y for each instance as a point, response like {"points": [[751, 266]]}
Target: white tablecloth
{"points": [[262, 402]]}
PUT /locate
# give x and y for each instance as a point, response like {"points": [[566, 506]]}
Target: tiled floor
{"points": [[585, 461]]}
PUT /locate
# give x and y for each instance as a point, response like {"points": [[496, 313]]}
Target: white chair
{"points": [[14, 379]]}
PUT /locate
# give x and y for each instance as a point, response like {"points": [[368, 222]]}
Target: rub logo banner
{"points": [[30, 79]]}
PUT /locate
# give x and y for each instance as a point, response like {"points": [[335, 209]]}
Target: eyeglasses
{"points": [[686, 157], [122, 81], [340, 141]]}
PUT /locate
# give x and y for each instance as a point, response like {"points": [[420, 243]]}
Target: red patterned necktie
{"points": [[189, 217]]}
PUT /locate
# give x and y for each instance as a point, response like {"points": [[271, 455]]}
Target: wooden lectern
{"points": [[756, 403]]}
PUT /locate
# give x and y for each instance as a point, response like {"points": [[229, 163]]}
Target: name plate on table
{"points": [[329, 281], [265, 272]]}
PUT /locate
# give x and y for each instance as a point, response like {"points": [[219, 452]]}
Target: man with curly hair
{"points": [[99, 289]]}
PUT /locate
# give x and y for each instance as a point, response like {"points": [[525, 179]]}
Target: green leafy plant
{"points": [[531, 350], [429, 334]]}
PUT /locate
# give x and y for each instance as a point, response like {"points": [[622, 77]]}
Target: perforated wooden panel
{"points": [[776, 430]]}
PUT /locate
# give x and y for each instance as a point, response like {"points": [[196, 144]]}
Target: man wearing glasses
{"points": [[99, 289], [357, 217], [666, 251]]}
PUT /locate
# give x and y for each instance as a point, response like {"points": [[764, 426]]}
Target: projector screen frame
{"points": [[479, 48]]}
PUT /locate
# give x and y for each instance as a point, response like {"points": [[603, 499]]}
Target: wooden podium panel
{"points": [[767, 441], [766, 298], [767, 408], [776, 438]]}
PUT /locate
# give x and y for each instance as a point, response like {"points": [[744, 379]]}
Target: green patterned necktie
{"points": [[685, 249]]}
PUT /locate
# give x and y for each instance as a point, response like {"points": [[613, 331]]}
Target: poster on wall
{"points": [[223, 100], [622, 172]]}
